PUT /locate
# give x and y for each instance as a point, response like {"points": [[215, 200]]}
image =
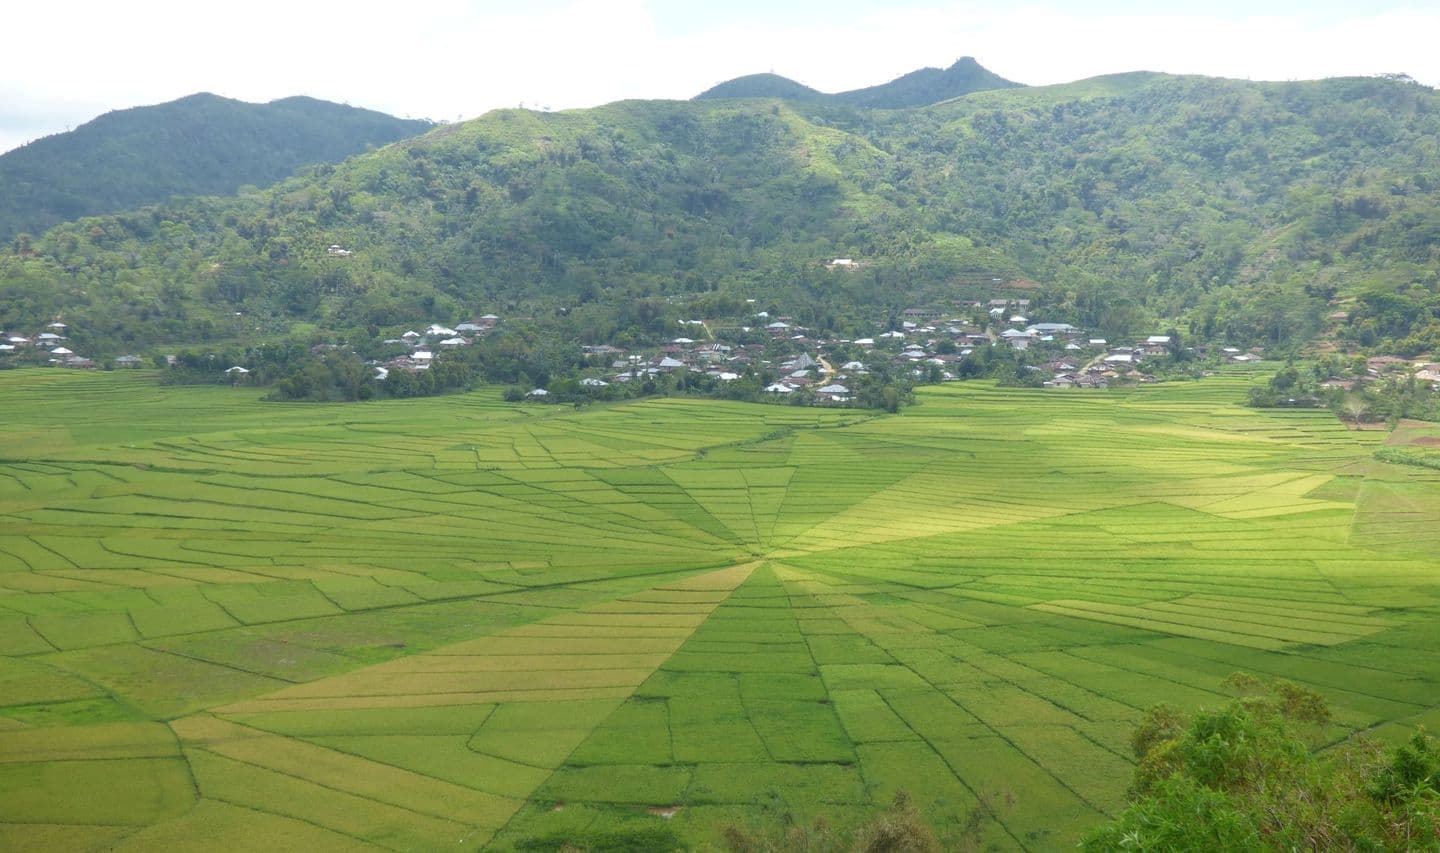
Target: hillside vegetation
{"points": [[1237, 210], [198, 145]]}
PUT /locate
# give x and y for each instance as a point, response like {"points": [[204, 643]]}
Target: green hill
{"points": [[1236, 209], [762, 86], [928, 86], [198, 145], [916, 89]]}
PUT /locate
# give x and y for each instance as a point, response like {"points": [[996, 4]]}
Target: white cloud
{"points": [[453, 59]]}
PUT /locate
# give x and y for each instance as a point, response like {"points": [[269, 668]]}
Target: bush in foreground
{"points": [[1245, 777]]}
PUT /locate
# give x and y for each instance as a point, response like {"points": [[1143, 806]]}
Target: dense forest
{"points": [[1237, 211], [199, 145]]}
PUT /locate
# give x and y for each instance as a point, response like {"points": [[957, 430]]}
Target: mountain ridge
{"points": [[918, 88]]}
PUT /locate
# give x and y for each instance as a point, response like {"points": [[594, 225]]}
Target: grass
{"points": [[451, 622]]}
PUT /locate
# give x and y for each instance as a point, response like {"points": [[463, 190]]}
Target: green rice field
{"points": [[455, 623]]}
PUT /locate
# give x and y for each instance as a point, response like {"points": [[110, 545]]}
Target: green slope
{"points": [[928, 86], [1237, 209], [762, 86], [198, 145]]}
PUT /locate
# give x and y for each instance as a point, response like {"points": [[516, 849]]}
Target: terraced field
{"points": [[452, 623]]}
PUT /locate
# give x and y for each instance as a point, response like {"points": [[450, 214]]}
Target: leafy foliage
{"points": [[1244, 777], [1408, 456], [1291, 387]]}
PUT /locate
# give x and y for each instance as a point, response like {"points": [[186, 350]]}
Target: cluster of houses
{"points": [[928, 345], [46, 347], [423, 346], [724, 362], [924, 344], [1121, 363], [1381, 365], [49, 347]]}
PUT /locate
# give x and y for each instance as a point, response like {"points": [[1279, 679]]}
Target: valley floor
{"points": [[452, 622]]}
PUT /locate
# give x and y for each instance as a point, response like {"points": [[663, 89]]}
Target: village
{"points": [[925, 346], [49, 348], [788, 362]]}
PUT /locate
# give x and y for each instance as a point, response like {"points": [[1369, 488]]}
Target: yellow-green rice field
{"points": [[455, 623]]}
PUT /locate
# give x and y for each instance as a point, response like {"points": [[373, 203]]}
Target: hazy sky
{"points": [[65, 62]]}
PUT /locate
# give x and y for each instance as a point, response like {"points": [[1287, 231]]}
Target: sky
{"points": [[65, 62]]}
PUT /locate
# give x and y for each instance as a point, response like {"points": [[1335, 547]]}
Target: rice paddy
{"points": [[454, 623]]}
